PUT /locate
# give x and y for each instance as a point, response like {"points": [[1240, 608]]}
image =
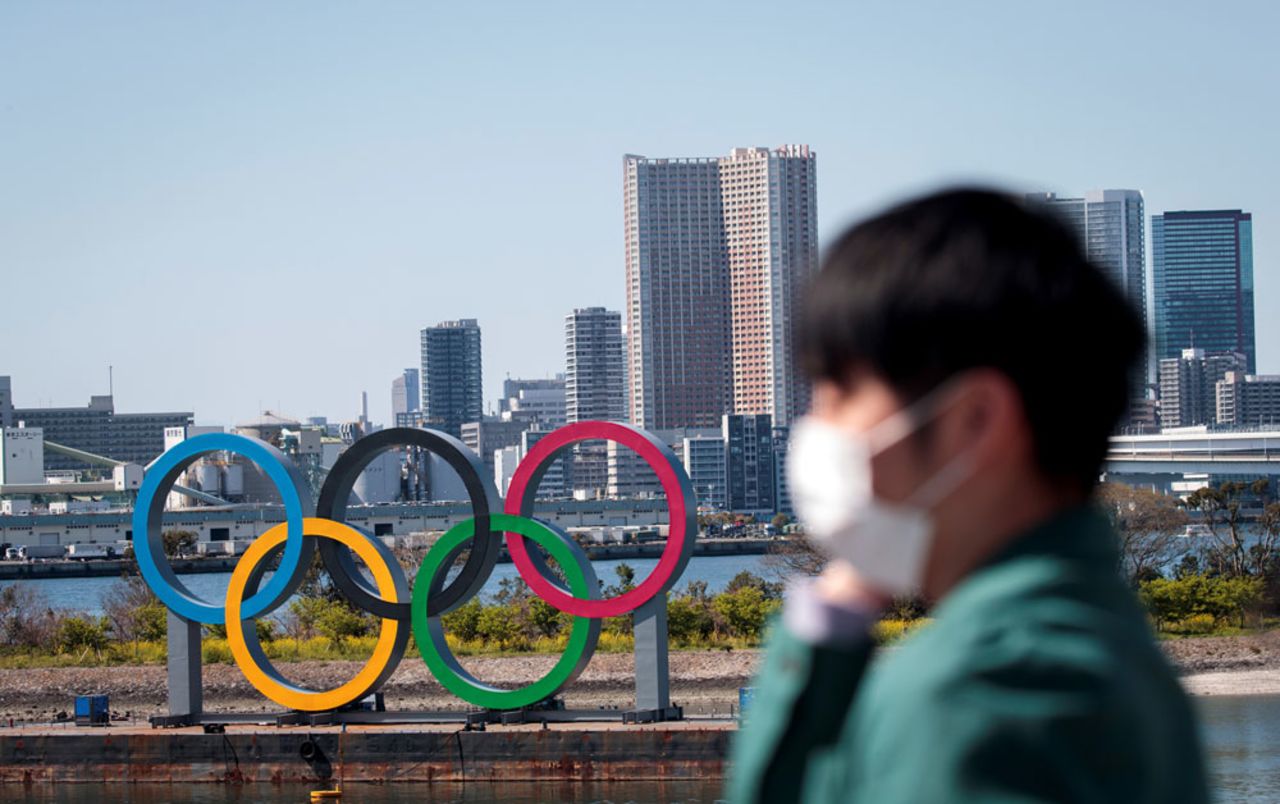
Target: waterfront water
{"points": [[1242, 745], [1241, 737], [86, 594], [1241, 733], [471, 793]]}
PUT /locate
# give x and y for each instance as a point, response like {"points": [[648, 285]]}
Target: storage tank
{"points": [[232, 480], [379, 482], [207, 477]]}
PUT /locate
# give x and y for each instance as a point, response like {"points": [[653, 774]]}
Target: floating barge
{"points": [[243, 754]]}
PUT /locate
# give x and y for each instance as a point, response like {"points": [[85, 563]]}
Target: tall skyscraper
{"points": [[771, 230], [717, 253], [594, 365], [452, 390], [1202, 269], [406, 394], [1110, 227], [678, 350], [595, 390]]}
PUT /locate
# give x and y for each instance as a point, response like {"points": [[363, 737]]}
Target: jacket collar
{"points": [[1082, 532], [1080, 535]]}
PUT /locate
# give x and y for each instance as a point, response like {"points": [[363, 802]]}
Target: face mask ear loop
{"points": [[909, 420]]}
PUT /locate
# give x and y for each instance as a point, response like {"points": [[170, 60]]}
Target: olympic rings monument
{"points": [[310, 526]]}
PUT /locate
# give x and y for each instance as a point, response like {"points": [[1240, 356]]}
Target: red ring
{"points": [[673, 555]]}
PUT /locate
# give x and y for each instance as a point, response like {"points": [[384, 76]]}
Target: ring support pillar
{"points": [[185, 694], [653, 684]]}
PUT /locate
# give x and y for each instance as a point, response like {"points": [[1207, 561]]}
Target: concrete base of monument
{"points": [[255, 753]]}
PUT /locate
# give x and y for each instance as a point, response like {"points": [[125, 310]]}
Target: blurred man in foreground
{"points": [[968, 367]]}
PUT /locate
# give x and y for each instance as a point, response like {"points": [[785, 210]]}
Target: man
{"points": [[968, 365]]}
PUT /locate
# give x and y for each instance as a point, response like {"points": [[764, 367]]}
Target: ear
{"points": [[988, 418]]}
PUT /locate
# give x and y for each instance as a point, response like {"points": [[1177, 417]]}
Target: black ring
{"points": [[332, 504]]}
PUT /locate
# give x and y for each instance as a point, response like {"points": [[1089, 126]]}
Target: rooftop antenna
{"points": [[111, 380]]}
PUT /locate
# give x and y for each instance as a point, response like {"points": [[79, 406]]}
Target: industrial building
{"points": [[96, 428]]}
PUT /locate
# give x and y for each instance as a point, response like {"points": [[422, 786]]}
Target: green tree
{"points": [[745, 579], [1222, 509], [626, 579], [1264, 554], [178, 542]]}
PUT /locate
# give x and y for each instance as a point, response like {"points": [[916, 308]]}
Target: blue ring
{"points": [[149, 547]]}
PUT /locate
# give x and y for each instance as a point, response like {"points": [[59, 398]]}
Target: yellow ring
{"points": [[294, 697]]}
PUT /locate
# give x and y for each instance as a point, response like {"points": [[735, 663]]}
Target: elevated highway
{"points": [[1196, 451]]}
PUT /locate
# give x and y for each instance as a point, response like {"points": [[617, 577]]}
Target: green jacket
{"points": [[1038, 680]]}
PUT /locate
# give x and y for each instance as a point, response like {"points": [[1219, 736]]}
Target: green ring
{"points": [[429, 634]]}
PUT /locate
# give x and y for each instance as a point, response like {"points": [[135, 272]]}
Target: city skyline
{"points": [[229, 199]]}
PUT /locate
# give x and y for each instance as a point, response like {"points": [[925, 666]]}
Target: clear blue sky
{"points": [[245, 204]]}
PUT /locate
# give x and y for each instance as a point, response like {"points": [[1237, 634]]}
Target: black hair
{"points": [[971, 278]]}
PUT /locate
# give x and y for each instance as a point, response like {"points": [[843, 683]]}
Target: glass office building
{"points": [[1109, 225], [1202, 272], [451, 375]]}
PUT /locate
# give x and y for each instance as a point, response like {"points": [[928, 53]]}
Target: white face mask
{"points": [[829, 476]]}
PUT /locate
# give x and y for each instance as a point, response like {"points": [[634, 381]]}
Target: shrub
{"points": [[138, 652], [689, 619], [463, 623], [498, 626], [26, 621], [134, 612], [615, 643], [336, 621], [309, 616], [544, 619], [1196, 624], [215, 651], [1177, 599], [151, 622], [79, 633], [744, 611]]}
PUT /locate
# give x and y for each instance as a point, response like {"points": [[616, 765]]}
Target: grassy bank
{"points": [[215, 649]]}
